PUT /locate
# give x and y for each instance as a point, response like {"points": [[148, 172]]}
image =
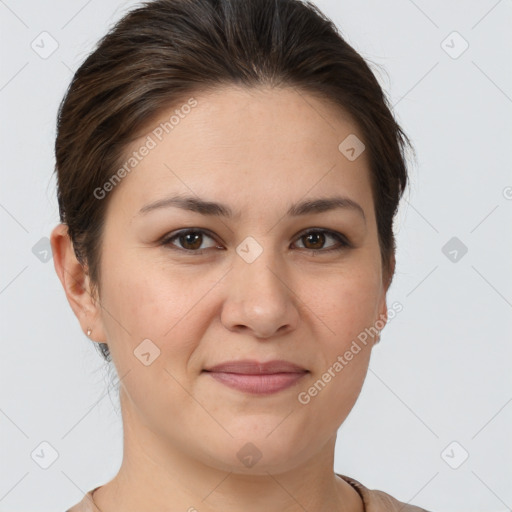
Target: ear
{"points": [[76, 283]]}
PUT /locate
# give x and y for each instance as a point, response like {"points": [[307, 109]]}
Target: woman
{"points": [[228, 174]]}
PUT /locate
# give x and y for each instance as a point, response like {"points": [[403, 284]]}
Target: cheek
{"points": [[346, 305], [153, 329], [150, 300], [346, 302]]}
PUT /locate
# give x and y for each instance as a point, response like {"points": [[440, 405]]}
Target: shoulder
{"points": [[86, 504], [379, 501]]}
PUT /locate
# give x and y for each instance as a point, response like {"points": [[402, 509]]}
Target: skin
{"points": [[257, 151]]}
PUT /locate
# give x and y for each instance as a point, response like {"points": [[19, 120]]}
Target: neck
{"points": [[156, 474]]}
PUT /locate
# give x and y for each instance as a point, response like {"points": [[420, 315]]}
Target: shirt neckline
{"points": [[357, 486]]}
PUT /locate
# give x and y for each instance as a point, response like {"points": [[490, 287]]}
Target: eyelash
{"points": [[341, 239]]}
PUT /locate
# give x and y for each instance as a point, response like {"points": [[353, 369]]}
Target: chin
{"points": [[260, 453]]}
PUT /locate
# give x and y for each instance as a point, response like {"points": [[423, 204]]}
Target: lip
{"points": [[253, 367], [257, 377]]}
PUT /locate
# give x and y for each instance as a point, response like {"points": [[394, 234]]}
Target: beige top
{"points": [[374, 501]]}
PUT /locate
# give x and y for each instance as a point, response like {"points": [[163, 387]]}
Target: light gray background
{"points": [[442, 371]]}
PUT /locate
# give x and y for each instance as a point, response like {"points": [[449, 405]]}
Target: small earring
{"points": [[89, 331]]}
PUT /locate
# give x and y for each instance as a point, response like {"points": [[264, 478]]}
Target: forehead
{"points": [[247, 143]]}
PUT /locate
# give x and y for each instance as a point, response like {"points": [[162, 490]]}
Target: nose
{"points": [[259, 299]]}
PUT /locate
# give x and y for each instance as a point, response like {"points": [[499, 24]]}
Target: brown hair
{"points": [[164, 51]]}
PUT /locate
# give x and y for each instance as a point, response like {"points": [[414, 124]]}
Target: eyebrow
{"points": [[307, 207]]}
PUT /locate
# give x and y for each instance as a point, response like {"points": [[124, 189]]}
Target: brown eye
{"points": [[192, 240], [314, 240], [189, 240]]}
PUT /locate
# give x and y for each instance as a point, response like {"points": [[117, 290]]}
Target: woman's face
{"points": [[270, 282]]}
